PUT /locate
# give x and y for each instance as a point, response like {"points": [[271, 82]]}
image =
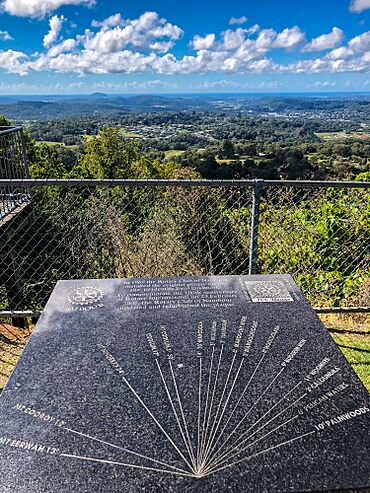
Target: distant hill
{"points": [[20, 108], [98, 95]]}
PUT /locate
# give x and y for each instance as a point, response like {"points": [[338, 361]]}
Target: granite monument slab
{"points": [[192, 384]]}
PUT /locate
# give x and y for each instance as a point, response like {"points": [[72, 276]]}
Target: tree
{"points": [[226, 150], [47, 163], [108, 155], [4, 122]]}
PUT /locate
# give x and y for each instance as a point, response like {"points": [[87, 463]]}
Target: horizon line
{"points": [[200, 93]]}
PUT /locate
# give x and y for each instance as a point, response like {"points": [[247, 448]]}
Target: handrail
{"points": [[8, 130], [74, 182]]}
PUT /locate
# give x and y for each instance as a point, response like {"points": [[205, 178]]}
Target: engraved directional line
{"points": [[137, 454], [213, 436], [244, 437], [113, 362], [124, 464], [265, 350], [213, 392], [182, 413], [218, 408], [244, 418], [214, 466], [206, 403], [199, 410], [173, 409], [262, 452]]}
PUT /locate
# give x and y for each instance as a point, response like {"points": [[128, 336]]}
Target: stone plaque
{"points": [[193, 384]]}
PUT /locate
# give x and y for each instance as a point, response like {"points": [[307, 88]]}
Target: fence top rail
{"points": [[182, 183], [8, 130]]}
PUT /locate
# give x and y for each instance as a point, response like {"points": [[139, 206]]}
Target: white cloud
{"points": [[325, 83], [149, 32], [147, 85], [199, 43], [64, 46], [359, 6], [161, 46], [325, 41], [112, 21], [5, 36], [290, 38], [55, 25], [233, 39], [238, 20], [253, 30], [118, 45], [93, 62], [13, 62], [38, 8], [340, 53], [216, 84], [265, 40], [360, 43]]}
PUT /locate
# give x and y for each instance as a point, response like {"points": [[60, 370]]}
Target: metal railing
{"points": [[319, 232], [13, 165]]}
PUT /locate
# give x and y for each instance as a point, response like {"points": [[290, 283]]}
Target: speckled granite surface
{"points": [[213, 384]]}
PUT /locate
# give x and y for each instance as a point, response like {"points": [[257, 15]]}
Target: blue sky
{"points": [[163, 46]]}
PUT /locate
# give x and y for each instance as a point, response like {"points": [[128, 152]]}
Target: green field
{"points": [[327, 136], [131, 135], [173, 153], [51, 144], [224, 161]]}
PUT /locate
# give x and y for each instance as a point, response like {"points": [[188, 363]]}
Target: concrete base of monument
{"points": [[217, 384]]}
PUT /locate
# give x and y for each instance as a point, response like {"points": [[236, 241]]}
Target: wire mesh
{"points": [[318, 235], [321, 236], [13, 165], [126, 231], [59, 229]]}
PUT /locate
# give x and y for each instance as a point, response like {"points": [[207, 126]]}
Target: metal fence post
{"points": [[255, 219], [26, 171]]}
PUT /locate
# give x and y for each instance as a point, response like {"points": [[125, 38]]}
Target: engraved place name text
{"points": [[27, 445], [342, 417]]}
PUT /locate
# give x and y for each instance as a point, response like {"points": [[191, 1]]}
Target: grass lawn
{"points": [[51, 144], [342, 135], [352, 334], [131, 135], [173, 153], [224, 161]]}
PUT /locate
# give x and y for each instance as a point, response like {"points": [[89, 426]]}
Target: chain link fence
{"points": [[102, 229], [13, 165], [319, 232]]}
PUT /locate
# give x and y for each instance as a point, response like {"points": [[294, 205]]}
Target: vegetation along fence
{"points": [[318, 232]]}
